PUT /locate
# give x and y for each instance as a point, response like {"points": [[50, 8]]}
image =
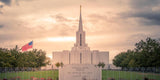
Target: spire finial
{"points": [[80, 8], [80, 21]]}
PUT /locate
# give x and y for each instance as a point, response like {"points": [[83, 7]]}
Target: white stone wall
{"points": [[60, 57], [75, 58], [81, 57], [86, 58], [100, 57], [95, 57], [80, 72]]}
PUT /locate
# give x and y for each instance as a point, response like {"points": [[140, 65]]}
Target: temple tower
{"points": [[80, 52], [80, 34]]}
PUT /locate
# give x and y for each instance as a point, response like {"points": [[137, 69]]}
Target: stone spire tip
{"points": [[80, 21]]}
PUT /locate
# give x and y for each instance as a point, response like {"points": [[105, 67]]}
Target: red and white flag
{"points": [[27, 46]]}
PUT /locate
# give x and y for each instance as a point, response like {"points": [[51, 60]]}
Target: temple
{"points": [[81, 53]]}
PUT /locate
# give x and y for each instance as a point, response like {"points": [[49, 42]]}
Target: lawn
{"points": [[127, 75], [28, 74], [106, 74]]}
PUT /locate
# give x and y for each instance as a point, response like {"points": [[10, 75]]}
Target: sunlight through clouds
{"points": [[112, 25], [60, 39]]}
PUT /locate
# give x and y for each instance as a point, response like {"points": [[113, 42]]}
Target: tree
{"points": [[14, 58], [119, 60], [129, 60], [57, 64], [146, 54], [48, 61], [40, 58], [101, 64], [61, 64], [6, 59], [16, 54], [149, 52]]}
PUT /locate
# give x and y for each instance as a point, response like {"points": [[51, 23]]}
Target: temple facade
{"points": [[80, 52]]}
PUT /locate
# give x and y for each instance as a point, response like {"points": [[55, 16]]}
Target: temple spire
{"points": [[80, 21]]}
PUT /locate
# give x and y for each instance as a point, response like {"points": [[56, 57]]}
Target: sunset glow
{"points": [[110, 25], [61, 39]]}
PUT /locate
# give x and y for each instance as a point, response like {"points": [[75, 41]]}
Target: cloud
{"points": [[98, 17], [1, 26], [146, 12], [1, 6], [60, 18], [36, 26], [143, 4], [147, 18], [1, 12], [9, 2], [6, 2], [25, 20]]}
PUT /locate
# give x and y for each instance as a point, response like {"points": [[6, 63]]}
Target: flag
{"points": [[27, 46]]}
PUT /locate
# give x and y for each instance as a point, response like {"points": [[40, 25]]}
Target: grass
{"points": [[28, 74], [126, 75]]}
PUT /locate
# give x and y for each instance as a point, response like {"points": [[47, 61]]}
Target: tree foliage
{"points": [[59, 64], [146, 54], [15, 58], [101, 64]]}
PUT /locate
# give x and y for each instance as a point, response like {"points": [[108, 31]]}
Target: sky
{"points": [[110, 25]]}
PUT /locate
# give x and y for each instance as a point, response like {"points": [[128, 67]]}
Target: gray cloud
{"points": [[148, 18], [6, 2], [1, 26], [144, 4], [9, 2], [154, 16], [137, 36], [155, 36], [144, 11], [1, 6], [145, 17], [17, 1]]}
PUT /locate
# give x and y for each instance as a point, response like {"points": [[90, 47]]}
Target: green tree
{"points": [[57, 64], [36, 58], [119, 60], [16, 54], [6, 59], [149, 52], [61, 64], [14, 58], [101, 64], [146, 54]]}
